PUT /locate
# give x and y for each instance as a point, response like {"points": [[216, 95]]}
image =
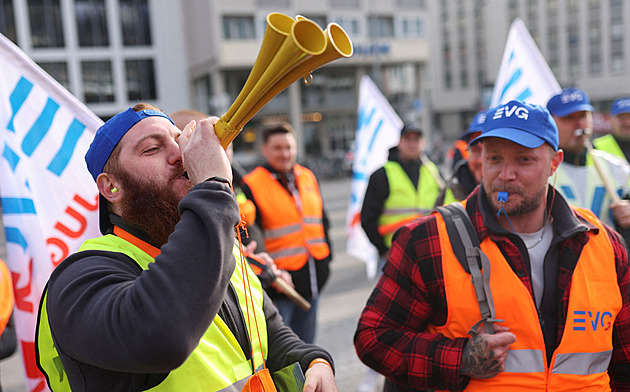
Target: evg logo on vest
{"points": [[595, 320]]}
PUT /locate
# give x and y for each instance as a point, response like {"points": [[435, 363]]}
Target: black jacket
{"points": [[377, 193], [120, 328]]}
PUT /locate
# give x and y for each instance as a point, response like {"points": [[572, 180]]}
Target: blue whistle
{"points": [[502, 197]]}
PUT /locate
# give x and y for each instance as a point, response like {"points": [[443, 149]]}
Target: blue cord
{"points": [[502, 198]]}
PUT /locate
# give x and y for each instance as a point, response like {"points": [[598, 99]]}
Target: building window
{"points": [[134, 19], [411, 4], [238, 27], [381, 26], [273, 3], [98, 81], [58, 70], [92, 23], [46, 24], [352, 4], [616, 36], [7, 20], [349, 24], [140, 80], [412, 27]]}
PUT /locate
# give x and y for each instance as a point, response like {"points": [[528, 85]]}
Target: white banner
{"points": [[524, 73], [378, 130], [49, 200]]}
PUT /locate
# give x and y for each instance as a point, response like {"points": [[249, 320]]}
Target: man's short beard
{"points": [[149, 207]]}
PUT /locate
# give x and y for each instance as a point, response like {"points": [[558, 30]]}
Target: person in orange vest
{"points": [[405, 188], [7, 332], [553, 287], [6, 296], [290, 211]]}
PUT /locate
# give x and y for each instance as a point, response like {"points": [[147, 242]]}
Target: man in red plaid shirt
{"points": [[558, 278]]}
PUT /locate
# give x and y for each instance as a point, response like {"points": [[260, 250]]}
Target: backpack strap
{"points": [[466, 247]]}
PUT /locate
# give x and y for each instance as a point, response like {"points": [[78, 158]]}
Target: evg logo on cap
{"points": [[506, 111]]}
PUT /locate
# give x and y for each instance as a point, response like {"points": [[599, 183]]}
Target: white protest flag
{"points": [[378, 129], [49, 200], [524, 73]]}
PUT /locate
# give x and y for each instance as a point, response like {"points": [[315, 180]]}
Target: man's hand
{"points": [[621, 212], [202, 154], [484, 355], [320, 378]]}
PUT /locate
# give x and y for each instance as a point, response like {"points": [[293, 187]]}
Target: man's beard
{"points": [[150, 207], [527, 205]]}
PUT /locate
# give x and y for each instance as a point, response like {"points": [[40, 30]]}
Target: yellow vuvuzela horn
{"points": [[291, 49]]}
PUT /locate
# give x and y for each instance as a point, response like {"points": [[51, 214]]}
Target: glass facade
{"points": [[98, 81], [238, 27], [7, 20], [140, 80], [46, 23], [91, 23], [135, 23]]}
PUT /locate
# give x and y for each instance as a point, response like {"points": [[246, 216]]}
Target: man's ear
{"points": [[108, 186], [556, 160]]}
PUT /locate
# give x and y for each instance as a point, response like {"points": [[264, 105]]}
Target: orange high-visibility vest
{"points": [[580, 362], [6, 295], [290, 234]]}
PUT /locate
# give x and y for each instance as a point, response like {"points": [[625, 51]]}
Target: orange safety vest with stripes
{"points": [[6, 295], [580, 362], [291, 233]]}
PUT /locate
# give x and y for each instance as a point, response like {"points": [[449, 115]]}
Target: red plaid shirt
{"points": [[410, 295]]}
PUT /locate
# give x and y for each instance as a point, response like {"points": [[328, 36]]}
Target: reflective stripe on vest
{"points": [[290, 235], [404, 200], [581, 360], [583, 187], [217, 363]]}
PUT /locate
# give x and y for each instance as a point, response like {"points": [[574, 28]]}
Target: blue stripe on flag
{"points": [[15, 205], [11, 157], [15, 236], [62, 158], [568, 192], [525, 94], [371, 144], [515, 77], [364, 119], [17, 98], [40, 128]]}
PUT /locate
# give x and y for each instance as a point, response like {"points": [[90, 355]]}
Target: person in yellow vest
{"points": [[618, 141], [577, 178], [163, 301], [559, 279], [291, 213], [405, 188]]}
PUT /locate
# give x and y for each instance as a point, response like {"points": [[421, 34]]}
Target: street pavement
{"points": [[340, 304]]}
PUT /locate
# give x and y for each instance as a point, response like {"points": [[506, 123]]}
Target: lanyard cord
{"points": [[249, 297]]}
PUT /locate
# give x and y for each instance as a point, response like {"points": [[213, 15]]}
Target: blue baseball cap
{"points": [[105, 140], [569, 101], [523, 123], [110, 133], [621, 105], [476, 125]]}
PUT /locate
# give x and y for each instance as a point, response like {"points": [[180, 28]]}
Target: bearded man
{"points": [[551, 270], [159, 302]]}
